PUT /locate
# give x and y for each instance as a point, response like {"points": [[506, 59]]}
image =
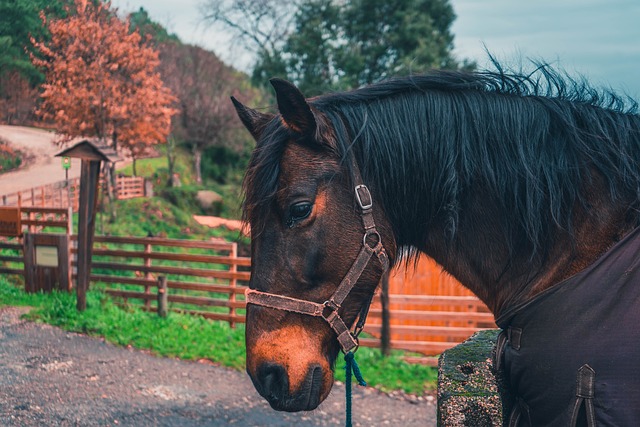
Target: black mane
{"points": [[532, 140]]}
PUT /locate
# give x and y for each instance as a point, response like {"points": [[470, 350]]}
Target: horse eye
{"points": [[298, 212]]}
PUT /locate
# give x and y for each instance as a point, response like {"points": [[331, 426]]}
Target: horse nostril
{"points": [[274, 384]]}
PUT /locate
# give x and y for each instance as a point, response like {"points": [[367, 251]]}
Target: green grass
{"points": [[190, 337]]}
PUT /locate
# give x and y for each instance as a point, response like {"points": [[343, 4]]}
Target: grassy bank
{"points": [[190, 337]]}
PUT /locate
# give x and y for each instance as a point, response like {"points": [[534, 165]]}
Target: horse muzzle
{"points": [[272, 382]]}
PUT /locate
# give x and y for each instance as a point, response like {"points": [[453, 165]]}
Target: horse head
{"points": [[307, 231]]}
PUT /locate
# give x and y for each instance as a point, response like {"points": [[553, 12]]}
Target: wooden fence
{"points": [[430, 312], [203, 278], [67, 193], [211, 277]]}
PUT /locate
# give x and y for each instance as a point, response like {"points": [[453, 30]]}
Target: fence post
{"points": [[147, 274], [163, 296], [233, 283]]}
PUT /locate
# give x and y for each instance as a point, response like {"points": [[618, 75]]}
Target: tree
{"points": [[337, 44], [101, 80], [203, 85], [19, 78], [141, 22], [258, 26], [392, 37]]}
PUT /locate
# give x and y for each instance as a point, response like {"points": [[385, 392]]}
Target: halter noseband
{"points": [[328, 310]]}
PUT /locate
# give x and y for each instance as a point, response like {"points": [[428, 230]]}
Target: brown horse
{"points": [[512, 183]]}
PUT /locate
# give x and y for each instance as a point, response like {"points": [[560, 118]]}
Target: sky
{"points": [[598, 39]]}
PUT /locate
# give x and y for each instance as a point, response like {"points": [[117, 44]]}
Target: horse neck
{"points": [[501, 268]]}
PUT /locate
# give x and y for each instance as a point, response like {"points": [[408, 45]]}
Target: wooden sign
{"points": [[10, 225], [46, 256]]}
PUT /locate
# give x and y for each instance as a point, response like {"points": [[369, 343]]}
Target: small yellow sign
{"points": [[10, 225]]}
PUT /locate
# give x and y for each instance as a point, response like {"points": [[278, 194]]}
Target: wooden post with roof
{"points": [[92, 153]]}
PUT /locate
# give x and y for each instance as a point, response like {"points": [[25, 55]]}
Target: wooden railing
{"points": [[209, 278], [203, 278], [10, 263], [35, 219], [429, 324], [67, 193]]}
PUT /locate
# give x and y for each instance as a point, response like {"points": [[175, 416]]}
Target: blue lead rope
{"points": [[351, 367]]}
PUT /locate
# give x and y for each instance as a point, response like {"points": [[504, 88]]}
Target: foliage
{"points": [[224, 165], [333, 44], [19, 78], [141, 22], [191, 337], [101, 80], [203, 85], [9, 158]]}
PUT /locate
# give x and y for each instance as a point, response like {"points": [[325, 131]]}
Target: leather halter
{"points": [[328, 310]]}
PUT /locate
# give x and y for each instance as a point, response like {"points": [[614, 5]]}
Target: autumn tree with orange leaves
{"points": [[101, 81]]}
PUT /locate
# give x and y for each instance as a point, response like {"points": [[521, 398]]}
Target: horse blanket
{"points": [[571, 355]]}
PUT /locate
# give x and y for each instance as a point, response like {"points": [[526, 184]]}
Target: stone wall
{"points": [[470, 392]]}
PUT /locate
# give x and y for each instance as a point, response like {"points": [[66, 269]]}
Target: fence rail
{"points": [[67, 193]]}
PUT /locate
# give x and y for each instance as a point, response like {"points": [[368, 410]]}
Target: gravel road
{"points": [[49, 377], [42, 167]]}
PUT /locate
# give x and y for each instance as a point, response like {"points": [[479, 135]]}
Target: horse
{"points": [[517, 184]]}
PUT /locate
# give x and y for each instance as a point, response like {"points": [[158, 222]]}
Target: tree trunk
{"points": [[197, 160], [110, 178], [171, 158], [135, 173]]}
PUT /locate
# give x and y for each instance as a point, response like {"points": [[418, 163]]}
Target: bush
{"points": [[223, 165], [9, 158]]}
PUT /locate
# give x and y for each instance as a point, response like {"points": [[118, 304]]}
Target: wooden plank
{"points": [[122, 280], [158, 241], [207, 287], [168, 256], [436, 315], [424, 347], [183, 299], [44, 210], [204, 287], [44, 223], [185, 271], [6, 270], [426, 330], [6, 245], [206, 302], [434, 300], [9, 258]]}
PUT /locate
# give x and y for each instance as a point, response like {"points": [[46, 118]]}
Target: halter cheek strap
{"points": [[328, 310]]}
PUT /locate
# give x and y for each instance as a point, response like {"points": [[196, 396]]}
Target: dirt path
{"points": [[49, 377], [42, 168]]}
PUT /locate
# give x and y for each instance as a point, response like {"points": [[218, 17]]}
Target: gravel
{"points": [[50, 377]]}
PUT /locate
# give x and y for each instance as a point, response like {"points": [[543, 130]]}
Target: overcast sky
{"points": [[596, 38]]}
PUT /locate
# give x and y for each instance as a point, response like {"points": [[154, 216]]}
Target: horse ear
{"points": [[253, 120], [296, 112]]}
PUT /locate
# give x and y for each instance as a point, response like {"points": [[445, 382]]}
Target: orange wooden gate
{"points": [[430, 311]]}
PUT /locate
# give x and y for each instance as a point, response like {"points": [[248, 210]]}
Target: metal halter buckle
{"points": [[367, 194]]}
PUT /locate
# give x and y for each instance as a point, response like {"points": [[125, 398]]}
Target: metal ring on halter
{"points": [[368, 234]]}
